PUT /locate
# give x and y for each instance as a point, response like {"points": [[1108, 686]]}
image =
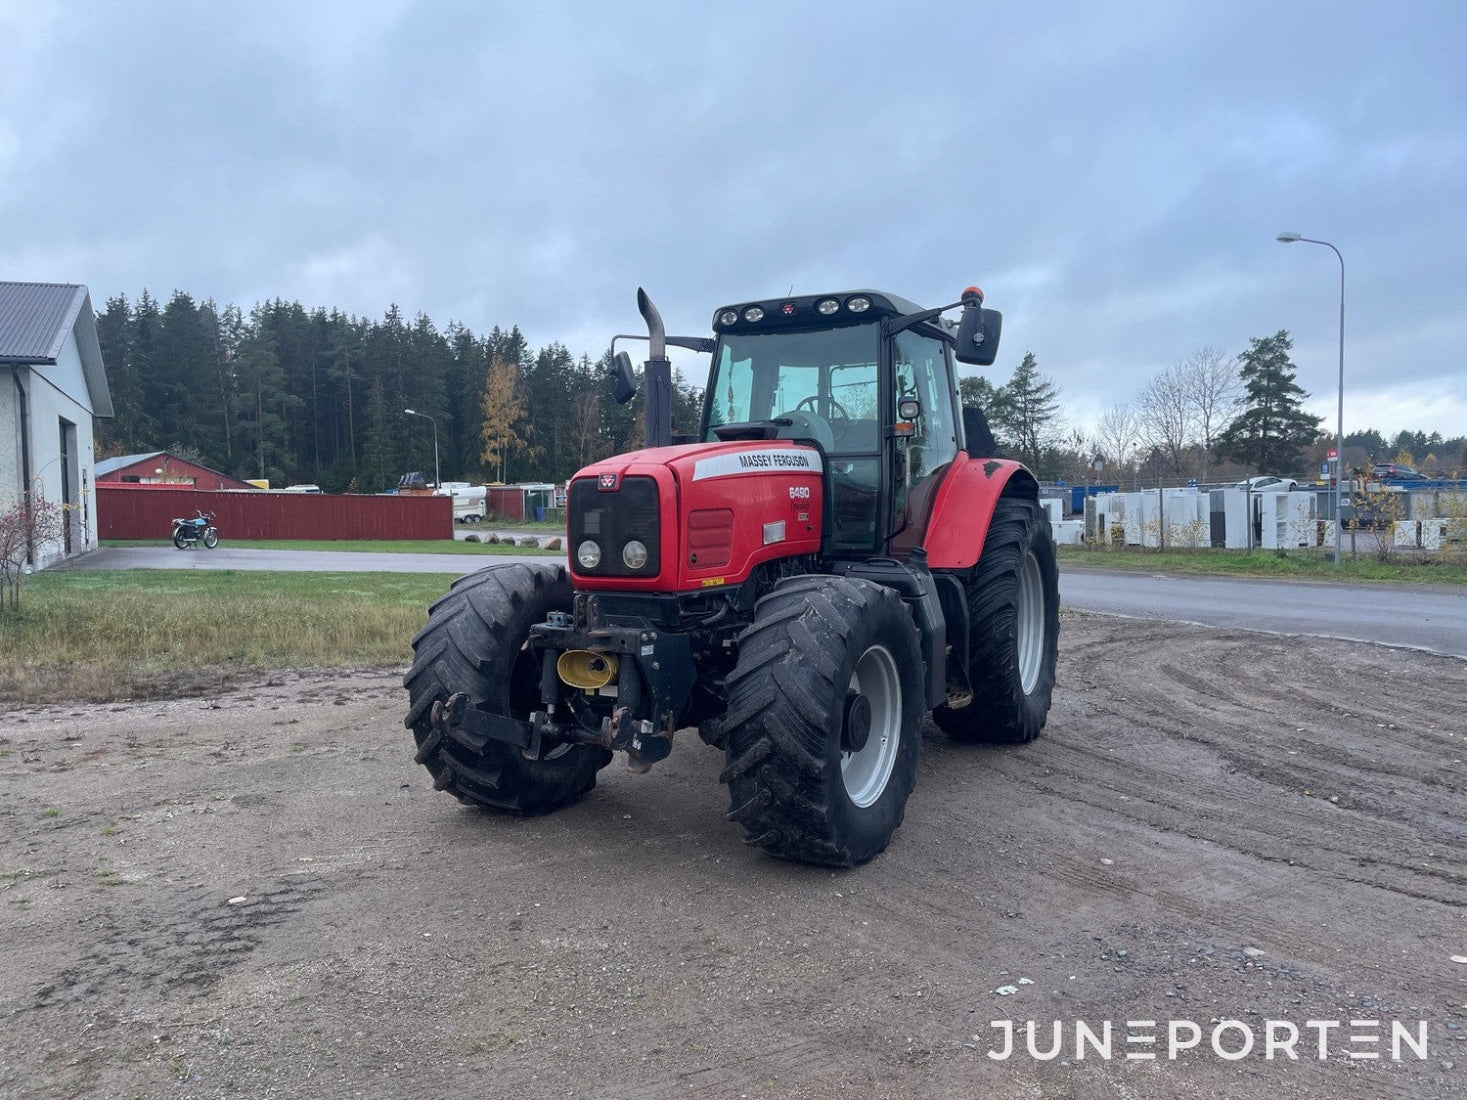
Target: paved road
{"points": [[1430, 618], [294, 561], [1433, 618]]}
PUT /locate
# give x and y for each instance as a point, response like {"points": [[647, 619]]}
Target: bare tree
{"points": [[26, 524], [1164, 416], [586, 427], [1213, 389], [1116, 434]]}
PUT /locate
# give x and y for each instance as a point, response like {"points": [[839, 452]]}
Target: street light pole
{"points": [[1290, 238], [437, 481]]}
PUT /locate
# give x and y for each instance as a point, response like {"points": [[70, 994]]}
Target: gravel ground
{"points": [[259, 895]]}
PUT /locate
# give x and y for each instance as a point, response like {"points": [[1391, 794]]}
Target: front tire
{"points": [[824, 720], [1013, 631], [475, 643], [211, 538]]}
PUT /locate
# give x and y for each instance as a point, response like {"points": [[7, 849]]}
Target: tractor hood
{"points": [[704, 515]]}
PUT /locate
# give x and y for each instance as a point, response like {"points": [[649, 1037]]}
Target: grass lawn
{"points": [[368, 546], [82, 636], [118, 634], [1405, 567]]}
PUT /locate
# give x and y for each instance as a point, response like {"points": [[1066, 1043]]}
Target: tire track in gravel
{"points": [[1270, 781], [187, 948], [1132, 863]]}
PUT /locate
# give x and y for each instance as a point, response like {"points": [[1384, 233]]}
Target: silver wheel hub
{"points": [[866, 770], [1029, 623]]}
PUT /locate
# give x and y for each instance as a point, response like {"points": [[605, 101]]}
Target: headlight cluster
{"points": [[615, 526], [633, 555]]}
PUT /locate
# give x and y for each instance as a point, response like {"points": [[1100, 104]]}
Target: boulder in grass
{"points": [[471, 538], [492, 539], [554, 544], [529, 540]]}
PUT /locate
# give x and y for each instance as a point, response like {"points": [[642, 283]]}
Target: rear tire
{"points": [[179, 540], [802, 780], [475, 643], [1013, 631]]}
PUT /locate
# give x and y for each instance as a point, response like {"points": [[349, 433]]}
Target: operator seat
{"points": [[981, 443]]}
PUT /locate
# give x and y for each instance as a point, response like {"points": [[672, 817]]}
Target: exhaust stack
{"points": [[657, 376]]}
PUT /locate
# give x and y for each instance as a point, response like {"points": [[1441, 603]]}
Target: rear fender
{"points": [[964, 504]]}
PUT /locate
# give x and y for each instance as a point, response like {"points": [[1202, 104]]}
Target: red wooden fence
{"points": [[131, 512]]}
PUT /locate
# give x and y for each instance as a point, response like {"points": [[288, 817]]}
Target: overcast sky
{"points": [[1113, 175]]}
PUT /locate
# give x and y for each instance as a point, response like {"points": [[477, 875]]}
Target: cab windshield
{"points": [[823, 383]]}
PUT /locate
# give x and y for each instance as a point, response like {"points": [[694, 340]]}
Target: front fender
{"points": [[964, 504]]}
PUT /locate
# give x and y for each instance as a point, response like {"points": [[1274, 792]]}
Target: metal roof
{"points": [[109, 465], [36, 318]]}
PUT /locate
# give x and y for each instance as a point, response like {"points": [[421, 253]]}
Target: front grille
{"points": [[612, 519]]}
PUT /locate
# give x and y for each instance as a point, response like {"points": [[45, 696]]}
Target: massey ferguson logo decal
{"points": [[606, 483], [758, 462]]}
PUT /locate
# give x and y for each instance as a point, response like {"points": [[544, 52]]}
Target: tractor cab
{"points": [[865, 377]]}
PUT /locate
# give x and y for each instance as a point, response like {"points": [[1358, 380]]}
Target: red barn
{"points": [[165, 470]]}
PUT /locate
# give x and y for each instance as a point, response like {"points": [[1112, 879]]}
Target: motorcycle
{"points": [[191, 532]]}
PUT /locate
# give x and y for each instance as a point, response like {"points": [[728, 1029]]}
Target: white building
{"points": [[51, 385]]}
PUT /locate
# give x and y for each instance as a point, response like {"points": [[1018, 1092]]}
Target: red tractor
{"points": [[835, 554]]}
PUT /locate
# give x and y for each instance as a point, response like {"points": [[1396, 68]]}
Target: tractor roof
{"points": [[844, 307]]}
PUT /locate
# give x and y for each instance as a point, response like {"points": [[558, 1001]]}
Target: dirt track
{"points": [[1216, 825]]}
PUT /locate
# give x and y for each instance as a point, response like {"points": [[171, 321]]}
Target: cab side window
{"points": [[920, 370]]}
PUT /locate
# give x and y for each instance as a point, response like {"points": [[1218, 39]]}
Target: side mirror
{"points": [[623, 381], [978, 333]]}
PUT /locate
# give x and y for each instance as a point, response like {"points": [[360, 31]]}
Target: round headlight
{"points": [[826, 306], [858, 304], [588, 554], [754, 313], [728, 317], [634, 554]]}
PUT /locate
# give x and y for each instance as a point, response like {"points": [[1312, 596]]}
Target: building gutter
{"points": [[25, 460]]}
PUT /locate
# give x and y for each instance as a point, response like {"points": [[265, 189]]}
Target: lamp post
{"points": [[437, 482], [1290, 238]]}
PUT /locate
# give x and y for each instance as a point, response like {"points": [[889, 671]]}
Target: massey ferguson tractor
{"points": [[835, 554]]}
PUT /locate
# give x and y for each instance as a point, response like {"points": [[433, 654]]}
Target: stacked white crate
{"points": [[1068, 532], [1287, 520], [1437, 534], [1187, 520]]}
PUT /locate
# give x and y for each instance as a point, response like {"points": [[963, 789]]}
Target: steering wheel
{"points": [[836, 412]]}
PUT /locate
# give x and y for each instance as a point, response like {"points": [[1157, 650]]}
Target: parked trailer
{"points": [[468, 501]]}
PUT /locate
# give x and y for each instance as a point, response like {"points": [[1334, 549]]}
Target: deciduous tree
{"points": [[1116, 434], [503, 408], [1213, 390]]}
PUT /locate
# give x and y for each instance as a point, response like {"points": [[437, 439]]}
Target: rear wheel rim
{"points": [[1029, 623], [866, 773]]}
